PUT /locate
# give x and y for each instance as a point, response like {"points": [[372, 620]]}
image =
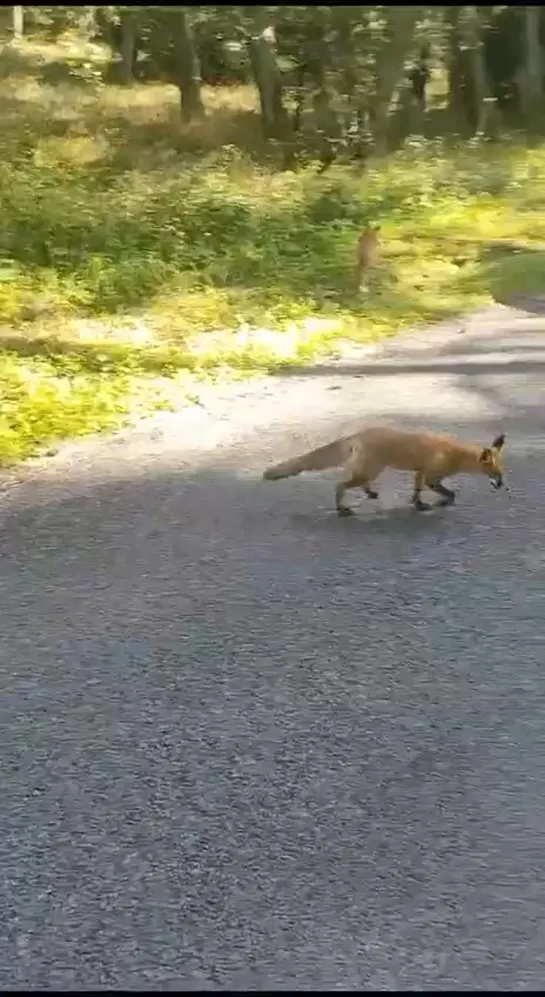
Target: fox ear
{"points": [[486, 455], [498, 442]]}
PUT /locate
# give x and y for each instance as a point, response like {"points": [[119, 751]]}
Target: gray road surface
{"points": [[248, 745]]}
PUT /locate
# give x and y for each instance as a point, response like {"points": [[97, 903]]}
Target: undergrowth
{"points": [[137, 255]]}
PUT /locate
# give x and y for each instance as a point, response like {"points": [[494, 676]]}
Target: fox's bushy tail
{"points": [[330, 455]]}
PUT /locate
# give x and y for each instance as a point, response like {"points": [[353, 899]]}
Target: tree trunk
{"points": [[391, 68], [456, 80], [128, 19], [18, 22], [486, 112], [532, 78], [104, 27], [188, 69], [262, 51], [318, 55], [412, 111]]}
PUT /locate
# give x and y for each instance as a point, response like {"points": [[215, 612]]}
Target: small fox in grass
{"points": [[431, 457], [366, 251]]}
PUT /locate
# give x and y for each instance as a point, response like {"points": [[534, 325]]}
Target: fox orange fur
{"points": [[431, 457], [366, 250]]}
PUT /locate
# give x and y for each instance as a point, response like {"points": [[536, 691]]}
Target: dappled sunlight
{"points": [[184, 247], [79, 150], [244, 428]]}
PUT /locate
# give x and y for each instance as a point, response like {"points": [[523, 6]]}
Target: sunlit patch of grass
{"points": [[137, 253], [41, 402]]}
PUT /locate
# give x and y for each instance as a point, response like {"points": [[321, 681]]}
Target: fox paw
{"points": [[344, 511]]}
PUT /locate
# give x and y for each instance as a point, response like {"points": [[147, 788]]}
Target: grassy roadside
{"points": [[137, 256]]}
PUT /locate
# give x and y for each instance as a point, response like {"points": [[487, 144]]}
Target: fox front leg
{"points": [[446, 495]]}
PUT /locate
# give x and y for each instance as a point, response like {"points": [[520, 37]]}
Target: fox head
{"points": [[490, 461], [370, 233]]}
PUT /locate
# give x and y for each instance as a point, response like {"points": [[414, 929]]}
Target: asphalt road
{"points": [[248, 745]]}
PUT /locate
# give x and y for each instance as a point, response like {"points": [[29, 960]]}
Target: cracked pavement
{"points": [[248, 745]]}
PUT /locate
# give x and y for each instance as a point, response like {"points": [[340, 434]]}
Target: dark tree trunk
{"points": [[532, 77], [391, 68], [486, 111], [457, 70], [129, 25], [262, 51], [188, 69]]}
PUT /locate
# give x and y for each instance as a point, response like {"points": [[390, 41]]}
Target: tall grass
{"points": [[135, 252]]}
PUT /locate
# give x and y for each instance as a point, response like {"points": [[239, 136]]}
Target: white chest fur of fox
{"points": [[430, 456]]}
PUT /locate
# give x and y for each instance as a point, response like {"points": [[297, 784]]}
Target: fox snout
{"points": [[491, 464]]}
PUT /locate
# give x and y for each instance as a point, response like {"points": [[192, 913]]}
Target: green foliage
{"points": [[130, 265], [43, 402]]}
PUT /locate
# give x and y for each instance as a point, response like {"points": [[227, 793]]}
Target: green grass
{"points": [[137, 256]]}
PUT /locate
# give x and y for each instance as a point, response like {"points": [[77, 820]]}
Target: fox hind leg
{"points": [[356, 476], [343, 486], [341, 507]]}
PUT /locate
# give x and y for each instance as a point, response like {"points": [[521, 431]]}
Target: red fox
{"points": [[366, 250], [365, 454]]}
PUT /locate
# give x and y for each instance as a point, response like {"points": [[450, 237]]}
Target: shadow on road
{"points": [[261, 728], [489, 381], [193, 507], [503, 353]]}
